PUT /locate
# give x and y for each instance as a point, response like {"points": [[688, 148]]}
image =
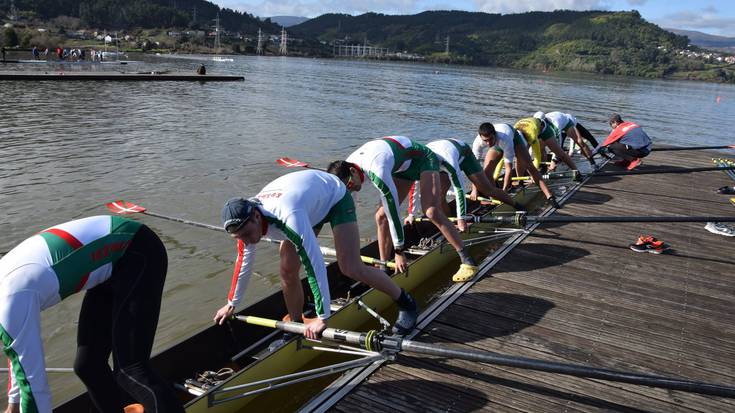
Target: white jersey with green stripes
{"points": [[562, 122], [504, 134], [40, 272], [292, 205], [451, 158], [379, 161]]}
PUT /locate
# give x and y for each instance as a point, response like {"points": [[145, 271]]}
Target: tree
{"points": [[10, 37]]}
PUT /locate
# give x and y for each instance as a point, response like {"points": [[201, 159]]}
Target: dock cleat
{"points": [[408, 313], [465, 273]]}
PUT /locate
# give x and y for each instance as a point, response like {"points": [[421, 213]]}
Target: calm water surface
{"points": [[182, 149]]}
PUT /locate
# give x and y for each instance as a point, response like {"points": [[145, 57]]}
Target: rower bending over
{"points": [[538, 128], [122, 264], [455, 157], [292, 209], [567, 125], [507, 143], [392, 164]]}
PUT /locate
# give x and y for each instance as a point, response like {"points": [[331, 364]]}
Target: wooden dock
{"points": [[575, 293], [119, 77]]}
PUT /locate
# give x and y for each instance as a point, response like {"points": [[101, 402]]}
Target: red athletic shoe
{"points": [[635, 162]]}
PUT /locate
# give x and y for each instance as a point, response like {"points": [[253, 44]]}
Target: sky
{"points": [[713, 17]]}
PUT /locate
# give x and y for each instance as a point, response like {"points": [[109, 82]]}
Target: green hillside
{"points": [[116, 15], [590, 41]]}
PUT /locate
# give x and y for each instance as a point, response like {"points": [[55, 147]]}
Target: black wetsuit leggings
{"points": [[119, 317], [626, 152]]}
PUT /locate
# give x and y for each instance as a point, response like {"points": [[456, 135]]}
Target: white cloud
{"points": [[707, 20], [520, 6]]}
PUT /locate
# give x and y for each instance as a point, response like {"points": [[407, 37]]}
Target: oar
{"points": [[125, 207], [664, 171], [694, 148], [522, 219], [295, 163], [48, 370], [483, 199], [373, 341], [551, 175]]}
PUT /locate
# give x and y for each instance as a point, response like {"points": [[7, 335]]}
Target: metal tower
{"points": [[446, 46], [259, 49], [284, 48]]}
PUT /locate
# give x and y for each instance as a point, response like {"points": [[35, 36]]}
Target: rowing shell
{"points": [[243, 347]]}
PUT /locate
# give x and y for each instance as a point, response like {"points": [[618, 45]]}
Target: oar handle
{"points": [[364, 340], [483, 199], [375, 261]]}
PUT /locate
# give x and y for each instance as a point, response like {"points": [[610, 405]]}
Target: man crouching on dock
{"points": [[291, 209]]}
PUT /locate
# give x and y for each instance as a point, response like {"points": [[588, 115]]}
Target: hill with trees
{"points": [[620, 43], [129, 14]]}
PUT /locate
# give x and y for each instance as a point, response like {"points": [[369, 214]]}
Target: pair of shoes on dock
{"points": [[720, 229], [648, 243]]}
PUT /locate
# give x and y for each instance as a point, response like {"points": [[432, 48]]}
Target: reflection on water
{"points": [[182, 149]]}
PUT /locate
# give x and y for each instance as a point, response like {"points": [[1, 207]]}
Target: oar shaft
{"points": [[549, 176], [375, 342], [694, 148], [185, 221], [48, 370], [663, 171], [523, 219], [569, 369]]}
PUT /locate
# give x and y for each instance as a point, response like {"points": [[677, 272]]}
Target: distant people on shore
{"points": [[201, 70], [628, 141], [35, 53], [3, 53]]}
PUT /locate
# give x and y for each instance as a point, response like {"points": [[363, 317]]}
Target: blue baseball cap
{"points": [[235, 213]]}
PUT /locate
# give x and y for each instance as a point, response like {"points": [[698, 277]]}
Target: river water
{"points": [[182, 149]]}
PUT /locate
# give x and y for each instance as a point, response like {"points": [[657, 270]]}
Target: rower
{"points": [[392, 164], [292, 209], [538, 128], [628, 141], [566, 125], [122, 264], [455, 157], [507, 143]]}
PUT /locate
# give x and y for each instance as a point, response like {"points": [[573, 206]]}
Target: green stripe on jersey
{"points": [[27, 401], [392, 212], [295, 238], [459, 193]]}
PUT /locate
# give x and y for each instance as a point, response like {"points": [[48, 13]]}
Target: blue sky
{"points": [[713, 17]]}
